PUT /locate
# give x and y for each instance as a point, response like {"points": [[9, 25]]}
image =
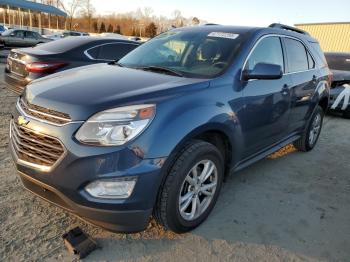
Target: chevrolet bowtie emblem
{"points": [[22, 121]]}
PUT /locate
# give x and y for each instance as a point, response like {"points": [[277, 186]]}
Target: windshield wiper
{"points": [[161, 69]]}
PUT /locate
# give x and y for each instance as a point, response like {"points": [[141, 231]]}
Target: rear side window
{"points": [[297, 56], [268, 50], [113, 51], [30, 34]]}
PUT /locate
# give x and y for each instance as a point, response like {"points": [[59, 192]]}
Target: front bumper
{"points": [[112, 220], [64, 184]]}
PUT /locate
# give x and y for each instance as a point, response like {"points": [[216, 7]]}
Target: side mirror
{"points": [[12, 34], [263, 71]]}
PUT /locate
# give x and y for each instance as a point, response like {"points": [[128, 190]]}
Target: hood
{"points": [[83, 91]]}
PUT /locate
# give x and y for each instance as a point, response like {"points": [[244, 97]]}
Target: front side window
{"points": [[201, 54], [19, 34], [269, 51], [297, 56]]}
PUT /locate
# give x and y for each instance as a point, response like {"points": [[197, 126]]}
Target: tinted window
{"points": [[93, 52], [114, 51], [297, 57], [338, 61], [268, 50]]}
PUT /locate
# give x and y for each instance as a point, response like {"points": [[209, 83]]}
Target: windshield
{"points": [[193, 54]]}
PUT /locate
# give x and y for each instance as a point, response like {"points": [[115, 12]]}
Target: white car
{"points": [[54, 36], [114, 35]]}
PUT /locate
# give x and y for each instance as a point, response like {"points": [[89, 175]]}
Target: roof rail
{"points": [[290, 28]]}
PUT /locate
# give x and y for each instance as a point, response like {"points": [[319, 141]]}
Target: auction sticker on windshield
{"points": [[224, 35]]}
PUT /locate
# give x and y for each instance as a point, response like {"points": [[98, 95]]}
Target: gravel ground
{"points": [[291, 206]]}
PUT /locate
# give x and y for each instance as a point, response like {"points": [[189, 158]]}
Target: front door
{"points": [[18, 38], [267, 102]]}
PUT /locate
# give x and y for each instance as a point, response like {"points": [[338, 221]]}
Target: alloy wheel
{"points": [[197, 190]]}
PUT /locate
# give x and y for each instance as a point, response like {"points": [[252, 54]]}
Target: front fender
{"points": [[188, 116]]}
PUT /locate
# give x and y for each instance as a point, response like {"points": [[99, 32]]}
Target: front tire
{"points": [[311, 134], [191, 188]]}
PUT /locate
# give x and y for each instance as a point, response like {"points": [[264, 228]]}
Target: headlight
{"points": [[116, 126], [111, 188]]}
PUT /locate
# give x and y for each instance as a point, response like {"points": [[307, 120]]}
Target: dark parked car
{"points": [[19, 37], [27, 64], [158, 131], [339, 63]]}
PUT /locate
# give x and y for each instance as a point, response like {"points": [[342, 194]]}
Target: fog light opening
{"points": [[111, 188]]}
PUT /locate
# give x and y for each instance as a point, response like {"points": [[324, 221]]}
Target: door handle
{"points": [[285, 90]]}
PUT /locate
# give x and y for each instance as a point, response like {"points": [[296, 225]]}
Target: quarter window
{"points": [[297, 56], [310, 60], [114, 51], [268, 50]]}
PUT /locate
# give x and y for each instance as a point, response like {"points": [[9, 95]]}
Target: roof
{"points": [[23, 4]]}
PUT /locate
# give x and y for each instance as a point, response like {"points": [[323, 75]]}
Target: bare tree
{"points": [[71, 7], [88, 11]]}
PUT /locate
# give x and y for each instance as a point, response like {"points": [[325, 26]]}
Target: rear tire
{"points": [[183, 204], [310, 136]]}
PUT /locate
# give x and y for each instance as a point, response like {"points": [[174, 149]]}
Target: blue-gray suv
{"points": [[155, 133]]}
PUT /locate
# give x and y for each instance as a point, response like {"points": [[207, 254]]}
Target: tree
{"points": [[110, 29], [95, 26], [87, 12], [118, 30], [195, 21], [102, 28], [151, 30], [71, 9]]}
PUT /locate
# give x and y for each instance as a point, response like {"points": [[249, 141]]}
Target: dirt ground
{"points": [[291, 206]]}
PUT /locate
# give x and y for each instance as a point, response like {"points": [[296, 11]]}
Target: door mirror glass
{"points": [[263, 71]]}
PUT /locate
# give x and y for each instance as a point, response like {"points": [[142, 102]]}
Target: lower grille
{"points": [[35, 149]]}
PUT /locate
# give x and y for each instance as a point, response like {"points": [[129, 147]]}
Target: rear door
{"points": [[267, 102], [305, 78], [30, 38]]}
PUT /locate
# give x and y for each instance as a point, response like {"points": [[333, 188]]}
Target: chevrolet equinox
{"points": [[154, 133]]}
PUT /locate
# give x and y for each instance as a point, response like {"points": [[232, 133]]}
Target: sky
{"points": [[239, 12]]}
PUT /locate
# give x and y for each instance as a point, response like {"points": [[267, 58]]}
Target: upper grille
{"points": [[43, 113], [35, 148]]}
